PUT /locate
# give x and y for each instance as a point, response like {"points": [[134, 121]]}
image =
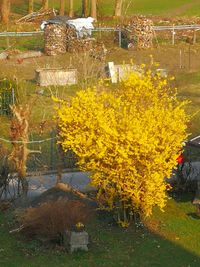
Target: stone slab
{"points": [[3, 56], [56, 77]]}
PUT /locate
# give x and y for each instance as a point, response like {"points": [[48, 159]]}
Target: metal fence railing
{"points": [[157, 29], [51, 156]]}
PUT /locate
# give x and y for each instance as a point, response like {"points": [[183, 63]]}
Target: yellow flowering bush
{"points": [[128, 136]]}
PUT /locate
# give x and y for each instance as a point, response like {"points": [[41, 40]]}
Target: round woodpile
{"points": [[75, 44], [139, 33], [80, 45], [71, 34], [55, 39], [98, 51]]}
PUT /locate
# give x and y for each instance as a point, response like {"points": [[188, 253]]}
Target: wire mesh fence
{"points": [[21, 42], [7, 97], [49, 156]]}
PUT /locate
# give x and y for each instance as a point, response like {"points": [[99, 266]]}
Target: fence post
{"points": [[13, 96], [189, 63], [173, 35], [180, 59], [120, 37], [51, 152], [194, 37]]}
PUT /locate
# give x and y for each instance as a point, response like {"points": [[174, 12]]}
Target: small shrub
{"points": [[51, 219]]}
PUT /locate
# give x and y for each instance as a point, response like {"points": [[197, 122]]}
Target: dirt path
{"points": [[182, 9]]}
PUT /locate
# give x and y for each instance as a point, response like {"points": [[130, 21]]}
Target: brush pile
{"points": [[37, 16], [55, 39], [139, 33]]}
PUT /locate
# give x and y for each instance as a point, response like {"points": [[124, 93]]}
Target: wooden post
{"points": [[62, 8], [45, 4], [120, 38], [173, 35], [194, 37], [71, 8], [118, 8], [180, 59], [30, 6], [189, 59], [85, 8], [5, 11], [7, 42], [94, 9]]}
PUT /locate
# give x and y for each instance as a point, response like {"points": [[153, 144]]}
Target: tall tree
{"points": [[85, 8], [94, 9], [62, 7], [5, 11], [118, 8], [45, 4], [71, 8], [30, 6]]}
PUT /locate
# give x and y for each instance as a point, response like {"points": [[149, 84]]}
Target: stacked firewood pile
{"points": [[139, 33], [75, 44], [70, 35], [61, 38], [98, 51], [80, 45], [55, 39]]}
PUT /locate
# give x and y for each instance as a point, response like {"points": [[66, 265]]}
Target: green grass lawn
{"points": [[172, 240], [131, 7], [173, 237], [187, 81]]}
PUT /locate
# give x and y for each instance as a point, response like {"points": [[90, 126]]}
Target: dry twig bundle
{"points": [[35, 16]]}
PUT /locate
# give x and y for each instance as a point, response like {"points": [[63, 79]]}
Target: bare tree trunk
{"points": [[45, 4], [5, 11], [94, 9], [85, 8], [71, 8], [30, 6], [62, 7], [118, 8], [19, 139]]}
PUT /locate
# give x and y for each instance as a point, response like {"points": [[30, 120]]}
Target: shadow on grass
{"points": [[109, 246], [193, 215], [182, 197]]}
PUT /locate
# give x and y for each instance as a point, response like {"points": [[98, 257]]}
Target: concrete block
{"points": [[76, 241], [56, 77], [3, 55], [119, 72]]}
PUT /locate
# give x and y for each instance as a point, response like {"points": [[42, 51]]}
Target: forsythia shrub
{"points": [[128, 137]]}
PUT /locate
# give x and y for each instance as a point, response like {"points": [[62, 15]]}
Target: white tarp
{"points": [[82, 25]]}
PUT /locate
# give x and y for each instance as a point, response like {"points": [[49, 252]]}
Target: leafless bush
{"points": [[89, 69], [51, 219]]}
